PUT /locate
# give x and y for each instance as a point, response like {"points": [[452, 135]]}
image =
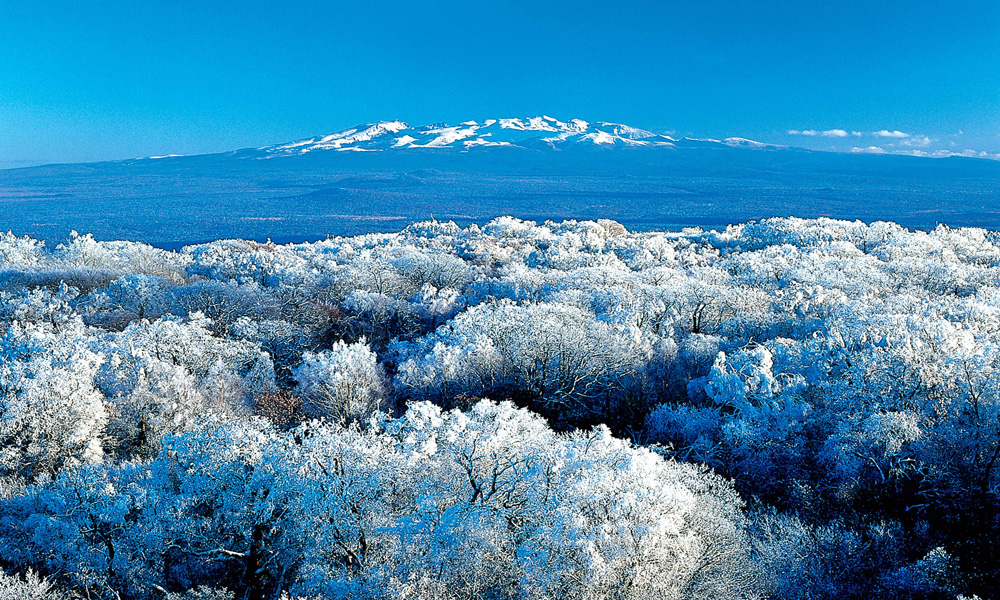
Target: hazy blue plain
{"points": [[174, 201]]}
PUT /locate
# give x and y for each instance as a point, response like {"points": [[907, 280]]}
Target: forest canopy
{"points": [[782, 409]]}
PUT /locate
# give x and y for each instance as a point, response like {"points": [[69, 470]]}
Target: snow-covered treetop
{"points": [[474, 389]]}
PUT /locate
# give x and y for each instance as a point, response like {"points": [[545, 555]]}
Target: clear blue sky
{"points": [[83, 80]]}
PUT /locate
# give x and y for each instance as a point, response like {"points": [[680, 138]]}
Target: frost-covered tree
{"points": [[51, 414], [129, 298], [842, 375], [489, 502], [557, 355], [345, 383], [28, 586]]}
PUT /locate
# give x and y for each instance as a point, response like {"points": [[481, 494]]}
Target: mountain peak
{"points": [[540, 132], [354, 137]]}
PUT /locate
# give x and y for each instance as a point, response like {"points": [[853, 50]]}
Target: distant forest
{"points": [[787, 409]]}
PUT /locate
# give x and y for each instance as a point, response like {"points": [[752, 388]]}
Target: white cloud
{"points": [[897, 142], [919, 141], [885, 133], [868, 150], [812, 132], [967, 153]]}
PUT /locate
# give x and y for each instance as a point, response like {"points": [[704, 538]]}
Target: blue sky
{"points": [[86, 80]]}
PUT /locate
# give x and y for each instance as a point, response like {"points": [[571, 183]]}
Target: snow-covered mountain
{"points": [[379, 177], [534, 132]]}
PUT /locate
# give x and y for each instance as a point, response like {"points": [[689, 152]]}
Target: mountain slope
{"points": [[534, 132], [384, 175]]}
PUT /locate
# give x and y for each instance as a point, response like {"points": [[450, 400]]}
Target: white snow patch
{"points": [[744, 143], [387, 135], [405, 140], [335, 141], [600, 137], [481, 142]]}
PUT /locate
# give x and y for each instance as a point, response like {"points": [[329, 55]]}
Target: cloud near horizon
{"points": [[868, 150], [919, 141], [837, 133], [885, 133], [890, 141]]}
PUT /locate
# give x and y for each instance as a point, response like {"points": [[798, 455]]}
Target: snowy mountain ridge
{"points": [[534, 132]]}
